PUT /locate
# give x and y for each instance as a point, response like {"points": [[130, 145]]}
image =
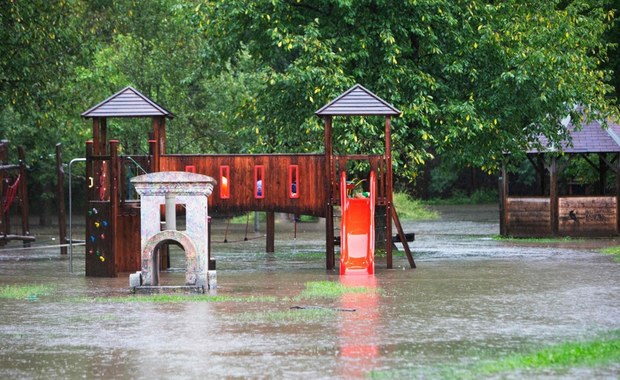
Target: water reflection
{"points": [[357, 333]]}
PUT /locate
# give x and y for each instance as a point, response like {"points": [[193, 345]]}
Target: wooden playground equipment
{"points": [[556, 210], [14, 191], [289, 183]]}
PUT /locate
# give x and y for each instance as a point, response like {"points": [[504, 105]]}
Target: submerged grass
{"points": [[597, 353], [412, 209], [330, 289], [25, 292], [593, 353], [614, 251]]}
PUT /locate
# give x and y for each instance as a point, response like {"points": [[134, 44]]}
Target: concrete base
{"points": [[205, 281], [168, 289]]}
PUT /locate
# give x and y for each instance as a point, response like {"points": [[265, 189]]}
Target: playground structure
{"points": [[14, 192], [557, 211], [289, 183]]}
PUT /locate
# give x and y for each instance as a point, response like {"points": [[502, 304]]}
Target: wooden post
{"points": [[271, 227], [618, 193], [602, 173], [389, 195], [330, 257], [113, 183], [159, 135], [4, 156], [503, 194], [540, 171], [553, 195], [60, 194], [152, 144], [403, 238], [23, 194], [100, 133]]}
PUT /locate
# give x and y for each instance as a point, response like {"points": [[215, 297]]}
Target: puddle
{"points": [[470, 297]]}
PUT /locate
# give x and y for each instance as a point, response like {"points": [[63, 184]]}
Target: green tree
{"points": [[41, 41], [473, 78]]}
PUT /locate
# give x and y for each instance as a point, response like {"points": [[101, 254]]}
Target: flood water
{"points": [[470, 298]]}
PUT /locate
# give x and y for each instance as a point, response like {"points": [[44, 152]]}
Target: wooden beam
{"points": [[553, 195], [271, 227], [23, 193], [602, 173], [503, 194], [330, 257], [114, 209], [403, 238], [389, 190], [60, 192], [618, 193]]}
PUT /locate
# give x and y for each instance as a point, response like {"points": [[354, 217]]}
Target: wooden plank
{"points": [[588, 216], [311, 188], [99, 254], [128, 253], [527, 217], [402, 237]]}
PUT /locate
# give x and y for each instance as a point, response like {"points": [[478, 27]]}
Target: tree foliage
{"points": [[474, 79]]}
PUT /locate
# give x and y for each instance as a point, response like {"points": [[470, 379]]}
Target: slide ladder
{"points": [[357, 230]]}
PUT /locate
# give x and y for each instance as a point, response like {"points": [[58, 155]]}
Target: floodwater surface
{"points": [[471, 298]]}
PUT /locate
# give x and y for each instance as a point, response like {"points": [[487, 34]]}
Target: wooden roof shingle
{"points": [[357, 101], [591, 138], [128, 102]]}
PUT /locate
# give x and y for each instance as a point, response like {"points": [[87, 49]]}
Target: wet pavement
{"points": [[471, 297]]}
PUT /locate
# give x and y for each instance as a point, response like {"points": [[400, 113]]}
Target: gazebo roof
{"points": [[358, 101], [128, 102], [591, 138]]}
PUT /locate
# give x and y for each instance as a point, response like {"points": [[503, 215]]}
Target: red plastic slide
{"points": [[357, 230]]}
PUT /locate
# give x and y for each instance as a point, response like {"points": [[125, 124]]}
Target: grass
{"points": [[597, 353], [566, 355], [461, 198], [330, 289], [614, 251], [411, 209], [25, 292]]}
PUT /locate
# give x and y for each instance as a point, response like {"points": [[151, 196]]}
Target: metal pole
{"points": [[71, 214]]}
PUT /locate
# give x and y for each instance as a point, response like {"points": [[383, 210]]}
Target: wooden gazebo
{"points": [[554, 212]]}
